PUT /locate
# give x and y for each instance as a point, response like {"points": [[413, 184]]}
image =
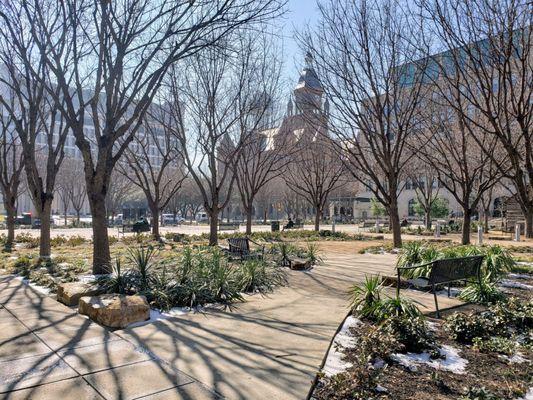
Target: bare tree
{"points": [[463, 168], [220, 93], [109, 59], [258, 165], [153, 164], [71, 186], [315, 172], [424, 180], [487, 60], [35, 115], [118, 191], [11, 168], [358, 48]]}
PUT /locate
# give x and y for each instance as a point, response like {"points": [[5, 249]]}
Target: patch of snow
{"points": [[454, 292], [334, 362], [381, 389], [528, 396], [38, 288], [515, 359], [89, 278], [157, 315], [520, 276], [452, 361], [506, 283], [432, 326]]}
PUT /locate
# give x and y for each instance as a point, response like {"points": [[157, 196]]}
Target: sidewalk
{"points": [[47, 351]]}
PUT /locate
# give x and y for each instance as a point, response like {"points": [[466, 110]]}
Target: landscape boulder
{"points": [[300, 264], [70, 293], [114, 310]]}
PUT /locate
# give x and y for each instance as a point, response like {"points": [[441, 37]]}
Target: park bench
{"points": [[137, 227], [240, 247], [228, 226], [444, 271]]}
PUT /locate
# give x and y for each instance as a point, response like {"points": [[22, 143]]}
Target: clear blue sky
{"points": [[301, 12]]}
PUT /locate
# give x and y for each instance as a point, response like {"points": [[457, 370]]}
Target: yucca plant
{"points": [[285, 250], [312, 253], [497, 261], [163, 291], [397, 306], [141, 260], [118, 281], [414, 253], [365, 297], [258, 276], [484, 292]]}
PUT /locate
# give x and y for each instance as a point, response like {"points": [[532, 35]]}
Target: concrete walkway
{"points": [[48, 351], [269, 347]]}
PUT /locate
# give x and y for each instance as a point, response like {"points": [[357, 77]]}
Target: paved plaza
{"points": [[269, 347]]}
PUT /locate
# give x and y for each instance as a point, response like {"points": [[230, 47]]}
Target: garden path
{"points": [[269, 347]]}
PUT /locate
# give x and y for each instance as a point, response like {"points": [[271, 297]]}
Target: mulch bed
{"points": [[489, 370]]}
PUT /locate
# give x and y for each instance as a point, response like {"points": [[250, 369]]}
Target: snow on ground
{"points": [[515, 359], [507, 283], [452, 361], [528, 396], [520, 276], [157, 315], [38, 288], [344, 339], [454, 292]]}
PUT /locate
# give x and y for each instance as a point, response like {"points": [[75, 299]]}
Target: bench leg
{"points": [[436, 302]]}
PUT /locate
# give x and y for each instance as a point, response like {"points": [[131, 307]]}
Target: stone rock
{"points": [[114, 310], [69, 293], [300, 264]]}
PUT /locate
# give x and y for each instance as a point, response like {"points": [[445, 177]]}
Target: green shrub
{"points": [[22, 266], [411, 332], [495, 344], [464, 328], [515, 312], [479, 393], [42, 278], [365, 297], [30, 241]]}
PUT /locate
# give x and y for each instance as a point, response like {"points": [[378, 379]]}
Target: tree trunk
{"points": [[213, 228], [44, 240], [101, 253], [467, 218], [427, 218], [486, 221], [78, 217], [249, 211], [155, 223], [529, 223], [10, 223], [317, 219], [395, 227]]}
